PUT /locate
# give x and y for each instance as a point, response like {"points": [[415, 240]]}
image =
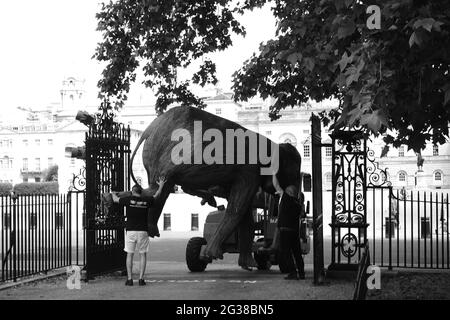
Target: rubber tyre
{"points": [[193, 261], [262, 260]]}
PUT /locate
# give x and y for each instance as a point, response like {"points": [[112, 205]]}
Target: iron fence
{"points": [[408, 229], [40, 233]]}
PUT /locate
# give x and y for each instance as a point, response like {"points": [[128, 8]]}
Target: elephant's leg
{"points": [[246, 231], [239, 201]]}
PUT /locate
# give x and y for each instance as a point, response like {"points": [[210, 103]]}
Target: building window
{"points": [[50, 162], [37, 164], [37, 142], [306, 151], [50, 142], [59, 221], [194, 222], [401, 151], [72, 162], [5, 163], [402, 176], [438, 176], [305, 131], [37, 179], [218, 111], [167, 223], [33, 220], [435, 150], [328, 178], [328, 152], [268, 133], [25, 143], [25, 164]]}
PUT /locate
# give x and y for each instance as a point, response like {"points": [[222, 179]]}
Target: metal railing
{"points": [[40, 233], [409, 229]]}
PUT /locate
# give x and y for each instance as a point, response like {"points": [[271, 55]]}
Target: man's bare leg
{"points": [[130, 265], [143, 264]]}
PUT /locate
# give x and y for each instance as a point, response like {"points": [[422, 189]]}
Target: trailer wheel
{"points": [[262, 260], [193, 261]]}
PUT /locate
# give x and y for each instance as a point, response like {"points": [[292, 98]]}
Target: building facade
{"points": [[31, 141]]}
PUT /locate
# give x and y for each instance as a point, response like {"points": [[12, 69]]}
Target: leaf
{"points": [[344, 61], [426, 23], [300, 31], [346, 29], [374, 120], [295, 57], [384, 151], [309, 63], [353, 115], [437, 26], [265, 49], [348, 3], [415, 39], [447, 96], [339, 4], [412, 39]]}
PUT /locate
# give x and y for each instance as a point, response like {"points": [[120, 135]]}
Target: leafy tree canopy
{"points": [[396, 77]]}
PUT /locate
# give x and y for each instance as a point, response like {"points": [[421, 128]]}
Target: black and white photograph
{"points": [[225, 156]]}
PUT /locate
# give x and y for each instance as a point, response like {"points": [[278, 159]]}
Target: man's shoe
{"points": [[129, 282], [291, 276], [301, 275], [142, 282]]}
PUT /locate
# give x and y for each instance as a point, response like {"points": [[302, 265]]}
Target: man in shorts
{"points": [[136, 227]]}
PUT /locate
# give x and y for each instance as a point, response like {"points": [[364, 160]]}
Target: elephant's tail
{"points": [[130, 168]]}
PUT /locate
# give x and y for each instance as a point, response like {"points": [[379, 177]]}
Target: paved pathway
{"points": [[169, 281]]}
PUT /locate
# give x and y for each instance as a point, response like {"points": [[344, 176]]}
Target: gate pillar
{"points": [[319, 271]]}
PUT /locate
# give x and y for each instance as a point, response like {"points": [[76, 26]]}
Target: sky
{"points": [[41, 42]]}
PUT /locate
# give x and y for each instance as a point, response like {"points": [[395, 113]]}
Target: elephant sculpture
{"points": [[214, 167]]}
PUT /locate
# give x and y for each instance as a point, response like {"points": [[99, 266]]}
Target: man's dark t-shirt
{"points": [[137, 211], [289, 211]]}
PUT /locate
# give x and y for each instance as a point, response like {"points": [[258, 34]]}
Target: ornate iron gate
{"points": [[349, 204], [406, 229], [107, 159]]}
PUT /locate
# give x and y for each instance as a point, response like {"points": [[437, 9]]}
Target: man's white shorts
{"points": [[137, 237]]}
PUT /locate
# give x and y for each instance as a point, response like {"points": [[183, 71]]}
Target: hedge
{"points": [[5, 188], [37, 188]]}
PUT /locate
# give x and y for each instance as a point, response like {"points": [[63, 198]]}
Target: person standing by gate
{"points": [[136, 227], [289, 211]]}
